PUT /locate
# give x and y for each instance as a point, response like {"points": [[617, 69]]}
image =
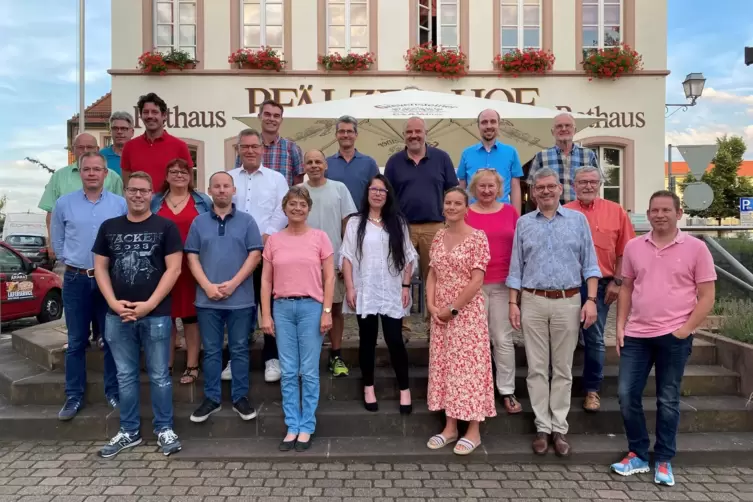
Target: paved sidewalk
{"points": [[71, 472]]}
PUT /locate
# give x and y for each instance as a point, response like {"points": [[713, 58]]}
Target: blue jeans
{"points": [[299, 343], [82, 304], [593, 339], [668, 355], [240, 323], [126, 340]]}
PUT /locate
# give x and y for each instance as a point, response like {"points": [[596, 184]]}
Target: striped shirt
{"points": [[281, 155], [565, 167]]}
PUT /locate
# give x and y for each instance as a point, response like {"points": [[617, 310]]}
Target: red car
{"points": [[26, 290]]}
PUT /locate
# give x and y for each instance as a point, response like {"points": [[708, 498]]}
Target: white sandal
{"points": [[469, 447], [439, 441]]}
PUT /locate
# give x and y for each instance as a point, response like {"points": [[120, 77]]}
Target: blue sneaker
{"points": [[120, 442], [663, 475], [169, 442], [69, 409], [631, 464]]}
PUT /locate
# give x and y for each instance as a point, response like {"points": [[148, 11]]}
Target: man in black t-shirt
{"points": [[137, 259]]}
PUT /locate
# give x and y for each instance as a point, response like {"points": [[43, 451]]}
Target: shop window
{"points": [[262, 24], [175, 25], [611, 160], [438, 23], [601, 24], [520, 25], [347, 26]]}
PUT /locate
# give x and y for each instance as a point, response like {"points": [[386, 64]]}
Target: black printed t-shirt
{"points": [[137, 253]]}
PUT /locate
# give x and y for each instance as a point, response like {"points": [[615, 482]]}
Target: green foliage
{"points": [[737, 320], [3, 202], [727, 186]]}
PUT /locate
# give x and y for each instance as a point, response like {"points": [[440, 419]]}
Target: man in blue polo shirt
{"points": [[492, 153], [348, 165], [121, 128], [224, 247]]}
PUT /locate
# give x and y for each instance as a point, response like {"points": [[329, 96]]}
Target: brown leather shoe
{"points": [[541, 443], [561, 446], [592, 403]]}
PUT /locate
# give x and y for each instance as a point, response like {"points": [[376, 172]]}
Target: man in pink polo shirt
{"points": [[667, 291]]}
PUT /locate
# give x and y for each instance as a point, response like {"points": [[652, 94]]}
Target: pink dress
{"points": [[460, 371]]}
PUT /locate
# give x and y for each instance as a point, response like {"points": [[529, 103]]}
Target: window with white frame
{"points": [[602, 24], [520, 25], [347, 26], [438, 23], [611, 160], [261, 24], [175, 25]]}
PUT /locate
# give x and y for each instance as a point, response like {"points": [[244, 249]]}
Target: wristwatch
{"points": [[327, 310], [453, 311], [592, 298], [617, 281]]}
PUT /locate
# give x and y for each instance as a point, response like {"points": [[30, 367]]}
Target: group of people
{"points": [[266, 248]]}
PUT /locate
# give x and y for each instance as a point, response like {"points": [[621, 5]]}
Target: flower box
{"points": [[157, 62], [265, 58], [529, 61], [446, 63], [351, 62], [612, 62]]}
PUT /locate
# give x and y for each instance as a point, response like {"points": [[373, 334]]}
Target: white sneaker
{"points": [[272, 371], [226, 373]]}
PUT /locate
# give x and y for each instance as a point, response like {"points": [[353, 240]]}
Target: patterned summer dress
{"points": [[460, 372]]}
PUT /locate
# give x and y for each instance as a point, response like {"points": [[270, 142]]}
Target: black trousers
{"points": [[393, 334]]}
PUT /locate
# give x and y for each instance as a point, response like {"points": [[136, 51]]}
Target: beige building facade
{"points": [[629, 137]]}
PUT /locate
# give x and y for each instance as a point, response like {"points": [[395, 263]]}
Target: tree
{"points": [[3, 201], [727, 186]]}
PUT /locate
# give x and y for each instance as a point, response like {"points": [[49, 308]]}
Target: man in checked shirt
{"points": [[564, 158]]}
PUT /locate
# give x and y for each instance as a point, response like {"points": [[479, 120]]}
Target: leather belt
{"points": [[554, 294], [89, 272]]}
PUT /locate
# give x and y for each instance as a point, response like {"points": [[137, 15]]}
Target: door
{"points": [[17, 290]]}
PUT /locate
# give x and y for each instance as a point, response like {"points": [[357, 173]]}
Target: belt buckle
{"points": [[90, 273]]}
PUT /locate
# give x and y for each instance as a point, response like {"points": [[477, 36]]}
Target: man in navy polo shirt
{"points": [[420, 175], [492, 153], [348, 165], [224, 247]]}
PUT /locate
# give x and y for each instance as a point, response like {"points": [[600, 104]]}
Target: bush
{"points": [[737, 320]]}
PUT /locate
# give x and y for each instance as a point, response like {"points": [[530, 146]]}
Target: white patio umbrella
{"points": [[450, 120]]}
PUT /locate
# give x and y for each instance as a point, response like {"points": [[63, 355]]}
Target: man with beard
{"points": [[491, 153], [552, 253], [224, 247], [137, 261], [75, 222], [151, 151]]}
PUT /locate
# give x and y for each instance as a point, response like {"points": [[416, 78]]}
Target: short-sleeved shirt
{"points": [[285, 157], [297, 263], [503, 158], [565, 166], [223, 246], [67, 180], [356, 174], [137, 252], [665, 282], [420, 187], [332, 203], [142, 154], [611, 229], [499, 228], [113, 159]]}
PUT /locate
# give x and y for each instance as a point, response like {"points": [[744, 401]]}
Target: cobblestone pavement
{"points": [[71, 472]]}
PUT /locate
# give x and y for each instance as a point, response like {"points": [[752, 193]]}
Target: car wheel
{"points": [[52, 307]]}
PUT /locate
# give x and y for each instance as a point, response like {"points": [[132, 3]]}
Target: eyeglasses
{"points": [[177, 172], [378, 191], [120, 129], [97, 170], [245, 148], [593, 183], [134, 191], [547, 188]]}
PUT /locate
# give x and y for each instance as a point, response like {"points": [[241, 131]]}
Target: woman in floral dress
{"points": [[460, 373]]}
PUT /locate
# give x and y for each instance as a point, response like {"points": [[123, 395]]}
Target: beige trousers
{"points": [[501, 333], [550, 329], [421, 236]]}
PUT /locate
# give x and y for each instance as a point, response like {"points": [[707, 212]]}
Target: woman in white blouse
{"points": [[377, 260]]}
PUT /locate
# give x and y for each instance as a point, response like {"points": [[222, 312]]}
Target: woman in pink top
{"points": [[299, 271], [498, 221]]}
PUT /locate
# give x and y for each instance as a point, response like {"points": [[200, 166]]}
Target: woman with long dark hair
{"points": [[377, 260]]}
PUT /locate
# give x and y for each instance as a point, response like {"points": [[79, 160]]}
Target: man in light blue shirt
{"points": [[348, 165], [121, 128], [75, 222], [552, 254], [492, 153]]}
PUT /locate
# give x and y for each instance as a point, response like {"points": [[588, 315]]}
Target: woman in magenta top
{"points": [[299, 273], [498, 221]]}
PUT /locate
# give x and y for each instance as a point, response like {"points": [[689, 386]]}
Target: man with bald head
{"points": [[565, 157], [420, 174], [491, 153]]}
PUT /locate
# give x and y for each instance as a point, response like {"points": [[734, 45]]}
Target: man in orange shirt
{"points": [[611, 229]]}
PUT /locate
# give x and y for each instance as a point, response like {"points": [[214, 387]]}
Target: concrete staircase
{"points": [[716, 423]]}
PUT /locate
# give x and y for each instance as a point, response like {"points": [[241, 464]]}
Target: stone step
{"points": [[698, 449], [48, 387], [337, 419], [44, 346]]}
